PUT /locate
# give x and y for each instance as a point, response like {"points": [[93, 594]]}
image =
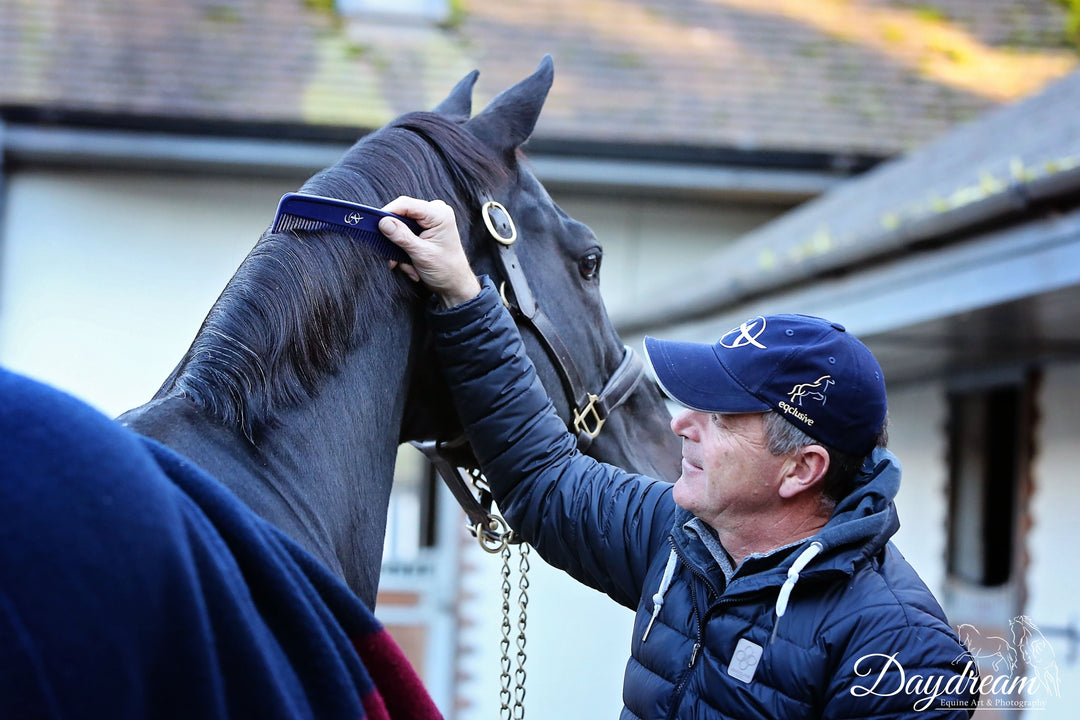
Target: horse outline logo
{"points": [[1028, 644], [814, 390], [1037, 653], [353, 218]]}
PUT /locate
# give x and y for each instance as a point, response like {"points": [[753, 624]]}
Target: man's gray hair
{"points": [[782, 437]]}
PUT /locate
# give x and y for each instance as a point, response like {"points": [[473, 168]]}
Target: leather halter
{"points": [[589, 410]]}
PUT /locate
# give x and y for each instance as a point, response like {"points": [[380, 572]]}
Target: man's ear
{"points": [[805, 471]]}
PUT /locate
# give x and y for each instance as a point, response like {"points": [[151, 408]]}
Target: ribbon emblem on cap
{"points": [[748, 331]]}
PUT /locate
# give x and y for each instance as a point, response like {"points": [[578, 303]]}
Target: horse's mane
{"points": [[301, 300]]}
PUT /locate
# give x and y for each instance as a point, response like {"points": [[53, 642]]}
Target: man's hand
{"points": [[438, 257]]}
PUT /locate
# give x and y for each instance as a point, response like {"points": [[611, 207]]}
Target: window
{"points": [[988, 459], [412, 525]]}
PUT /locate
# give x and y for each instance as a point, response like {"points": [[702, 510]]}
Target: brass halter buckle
{"points": [[495, 536], [490, 223], [590, 414]]}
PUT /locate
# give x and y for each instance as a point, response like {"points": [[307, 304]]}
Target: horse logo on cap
{"points": [[748, 333], [815, 390]]}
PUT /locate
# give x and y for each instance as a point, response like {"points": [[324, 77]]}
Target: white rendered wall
{"points": [[105, 278], [1053, 581], [917, 438], [647, 243]]}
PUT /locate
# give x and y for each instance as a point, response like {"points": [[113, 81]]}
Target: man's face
{"points": [[728, 474]]}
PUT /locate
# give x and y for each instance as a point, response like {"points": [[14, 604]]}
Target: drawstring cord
{"points": [[804, 559], [793, 577], [658, 596]]}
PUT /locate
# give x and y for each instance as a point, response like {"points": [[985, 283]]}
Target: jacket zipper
{"points": [[684, 680], [720, 602], [680, 688]]}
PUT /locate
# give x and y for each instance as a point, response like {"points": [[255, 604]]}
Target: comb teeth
{"points": [[288, 222], [299, 211]]}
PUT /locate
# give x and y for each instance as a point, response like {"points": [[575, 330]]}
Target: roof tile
{"points": [[836, 76]]}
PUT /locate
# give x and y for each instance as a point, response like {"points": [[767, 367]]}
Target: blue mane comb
{"points": [[297, 211]]}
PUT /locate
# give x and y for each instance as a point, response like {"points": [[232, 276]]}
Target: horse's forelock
{"points": [[301, 299]]}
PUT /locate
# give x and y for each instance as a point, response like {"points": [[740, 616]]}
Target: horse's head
{"points": [[551, 271], [300, 362], [548, 266]]}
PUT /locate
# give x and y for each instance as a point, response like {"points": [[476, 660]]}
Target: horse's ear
{"points": [[459, 102], [509, 119]]}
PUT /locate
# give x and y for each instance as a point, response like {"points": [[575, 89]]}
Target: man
{"points": [[763, 579]]}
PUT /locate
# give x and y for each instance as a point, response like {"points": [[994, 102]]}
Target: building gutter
{"points": [[28, 144], [31, 145], [735, 275]]}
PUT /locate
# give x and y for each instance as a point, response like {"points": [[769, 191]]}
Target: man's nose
{"points": [[683, 422]]}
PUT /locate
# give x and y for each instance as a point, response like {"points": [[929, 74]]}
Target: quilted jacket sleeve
{"points": [[900, 658], [595, 521], [910, 672]]}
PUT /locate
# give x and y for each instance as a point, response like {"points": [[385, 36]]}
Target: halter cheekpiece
{"points": [[589, 411]]}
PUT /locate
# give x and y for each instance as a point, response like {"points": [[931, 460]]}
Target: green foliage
{"points": [[1072, 21], [929, 13], [327, 6], [221, 14], [455, 17]]}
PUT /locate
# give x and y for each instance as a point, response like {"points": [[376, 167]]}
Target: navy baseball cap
{"points": [[820, 377]]}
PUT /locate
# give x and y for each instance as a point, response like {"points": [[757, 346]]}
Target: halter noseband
{"points": [[588, 413]]}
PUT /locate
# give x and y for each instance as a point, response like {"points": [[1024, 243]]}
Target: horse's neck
{"points": [[323, 473], [333, 461]]}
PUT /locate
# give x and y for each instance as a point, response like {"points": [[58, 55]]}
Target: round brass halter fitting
{"points": [[496, 536], [485, 212]]}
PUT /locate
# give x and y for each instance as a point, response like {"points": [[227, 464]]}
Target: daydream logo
{"points": [[988, 674]]}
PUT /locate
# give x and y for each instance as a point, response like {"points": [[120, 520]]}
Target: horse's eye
{"points": [[589, 265]]}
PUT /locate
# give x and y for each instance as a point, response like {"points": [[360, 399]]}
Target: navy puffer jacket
{"points": [[838, 626]]}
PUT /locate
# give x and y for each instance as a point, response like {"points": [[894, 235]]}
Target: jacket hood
{"points": [[866, 518], [859, 528]]}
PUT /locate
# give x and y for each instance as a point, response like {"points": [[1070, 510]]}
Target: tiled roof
{"points": [[836, 76]]}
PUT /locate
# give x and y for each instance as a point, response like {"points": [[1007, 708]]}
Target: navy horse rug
{"points": [[134, 585]]}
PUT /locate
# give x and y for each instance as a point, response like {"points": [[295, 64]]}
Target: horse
{"points": [[1037, 653], [815, 390], [313, 365], [216, 552], [999, 651]]}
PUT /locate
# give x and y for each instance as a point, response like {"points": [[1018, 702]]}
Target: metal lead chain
{"points": [[513, 700], [496, 537], [523, 603], [504, 643]]}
